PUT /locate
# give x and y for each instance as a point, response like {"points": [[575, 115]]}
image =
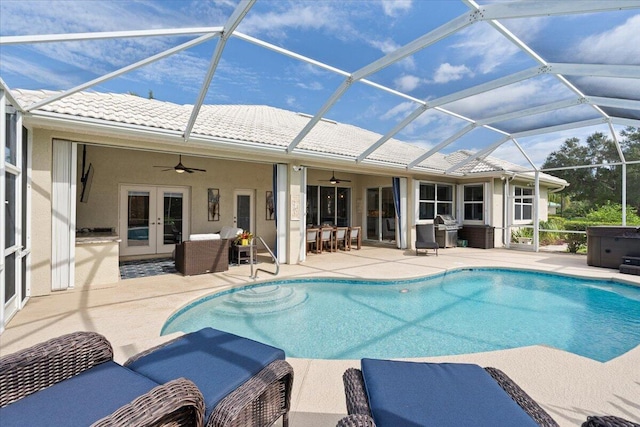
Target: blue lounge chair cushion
{"points": [[80, 400], [438, 394], [217, 362]]}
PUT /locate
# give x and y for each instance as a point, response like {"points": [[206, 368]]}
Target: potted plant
{"points": [[244, 238]]}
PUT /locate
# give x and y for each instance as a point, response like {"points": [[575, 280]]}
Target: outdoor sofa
{"points": [[209, 377], [205, 253]]}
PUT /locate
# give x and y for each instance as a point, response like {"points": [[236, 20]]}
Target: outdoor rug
{"points": [[147, 267]]}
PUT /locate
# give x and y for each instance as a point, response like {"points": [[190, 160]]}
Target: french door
{"points": [[381, 214], [152, 219]]}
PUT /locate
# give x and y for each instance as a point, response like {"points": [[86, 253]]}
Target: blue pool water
{"points": [[458, 312]]}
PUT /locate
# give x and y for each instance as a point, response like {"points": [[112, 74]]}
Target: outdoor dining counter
{"points": [[97, 255]]}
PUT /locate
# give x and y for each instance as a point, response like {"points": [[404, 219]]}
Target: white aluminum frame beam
{"points": [[232, 23], [48, 38], [531, 111], [122, 71], [595, 70], [558, 128], [10, 97], [528, 9], [628, 104], [623, 121]]}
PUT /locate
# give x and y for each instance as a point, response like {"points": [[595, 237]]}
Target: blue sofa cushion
{"points": [[438, 394], [217, 362], [80, 400]]}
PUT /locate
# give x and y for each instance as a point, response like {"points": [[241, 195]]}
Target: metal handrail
{"points": [[275, 259]]}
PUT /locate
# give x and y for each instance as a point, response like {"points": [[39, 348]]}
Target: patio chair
{"points": [[341, 236], [326, 238], [355, 233], [312, 240], [72, 380], [390, 393], [426, 238], [244, 382]]}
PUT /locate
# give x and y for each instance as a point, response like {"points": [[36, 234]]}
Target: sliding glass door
{"points": [[381, 215]]}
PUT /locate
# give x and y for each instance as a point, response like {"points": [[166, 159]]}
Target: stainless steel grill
{"points": [[446, 231]]}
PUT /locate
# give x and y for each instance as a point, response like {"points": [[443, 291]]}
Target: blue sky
{"points": [[343, 34]]}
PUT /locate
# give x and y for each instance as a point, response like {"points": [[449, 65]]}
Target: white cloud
{"points": [[35, 71], [395, 7], [291, 101], [387, 46], [448, 73], [399, 111], [614, 46], [311, 85], [483, 42], [407, 83], [312, 16]]}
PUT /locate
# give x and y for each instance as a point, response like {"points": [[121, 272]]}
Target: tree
{"points": [[598, 186]]}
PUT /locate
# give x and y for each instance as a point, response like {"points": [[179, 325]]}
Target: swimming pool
{"points": [[464, 311]]}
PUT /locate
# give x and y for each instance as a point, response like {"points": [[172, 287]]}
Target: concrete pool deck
{"points": [[130, 313]]}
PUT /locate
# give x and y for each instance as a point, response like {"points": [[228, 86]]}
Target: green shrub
{"points": [[611, 213], [575, 241]]}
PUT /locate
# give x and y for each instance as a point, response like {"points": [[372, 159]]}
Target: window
{"points": [[435, 199], [328, 205], [473, 202], [523, 204]]}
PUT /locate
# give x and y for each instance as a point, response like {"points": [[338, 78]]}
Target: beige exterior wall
{"points": [[497, 211], [116, 167], [41, 214]]}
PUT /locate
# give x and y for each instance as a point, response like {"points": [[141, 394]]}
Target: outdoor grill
{"points": [[446, 231]]}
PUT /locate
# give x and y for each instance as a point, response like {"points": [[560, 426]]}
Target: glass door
{"points": [[152, 219], [381, 215], [13, 274], [243, 210]]}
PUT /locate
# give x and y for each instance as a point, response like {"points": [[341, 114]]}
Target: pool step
{"points": [[262, 300]]}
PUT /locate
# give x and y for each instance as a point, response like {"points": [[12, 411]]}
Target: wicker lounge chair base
{"points": [[360, 413], [258, 402], [43, 366], [608, 421]]}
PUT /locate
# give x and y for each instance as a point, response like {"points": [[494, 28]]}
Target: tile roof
{"points": [[259, 124]]}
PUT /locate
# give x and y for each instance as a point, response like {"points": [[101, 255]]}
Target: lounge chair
{"points": [[392, 393], [72, 380], [244, 382], [426, 237]]}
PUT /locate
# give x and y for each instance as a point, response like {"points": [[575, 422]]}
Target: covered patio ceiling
{"points": [[601, 93]]}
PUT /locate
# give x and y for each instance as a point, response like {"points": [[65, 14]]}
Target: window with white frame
{"points": [[473, 201], [523, 204], [435, 199]]}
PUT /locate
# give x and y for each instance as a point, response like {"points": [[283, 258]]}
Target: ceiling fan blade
{"points": [[197, 170], [163, 167]]}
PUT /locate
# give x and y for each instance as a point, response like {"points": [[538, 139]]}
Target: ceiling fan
{"points": [[180, 168], [335, 180]]}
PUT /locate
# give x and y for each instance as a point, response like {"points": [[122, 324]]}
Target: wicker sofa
{"points": [[202, 256], [72, 381]]}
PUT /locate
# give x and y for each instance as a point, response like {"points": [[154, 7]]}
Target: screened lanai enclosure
{"points": [[531, 89]]}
